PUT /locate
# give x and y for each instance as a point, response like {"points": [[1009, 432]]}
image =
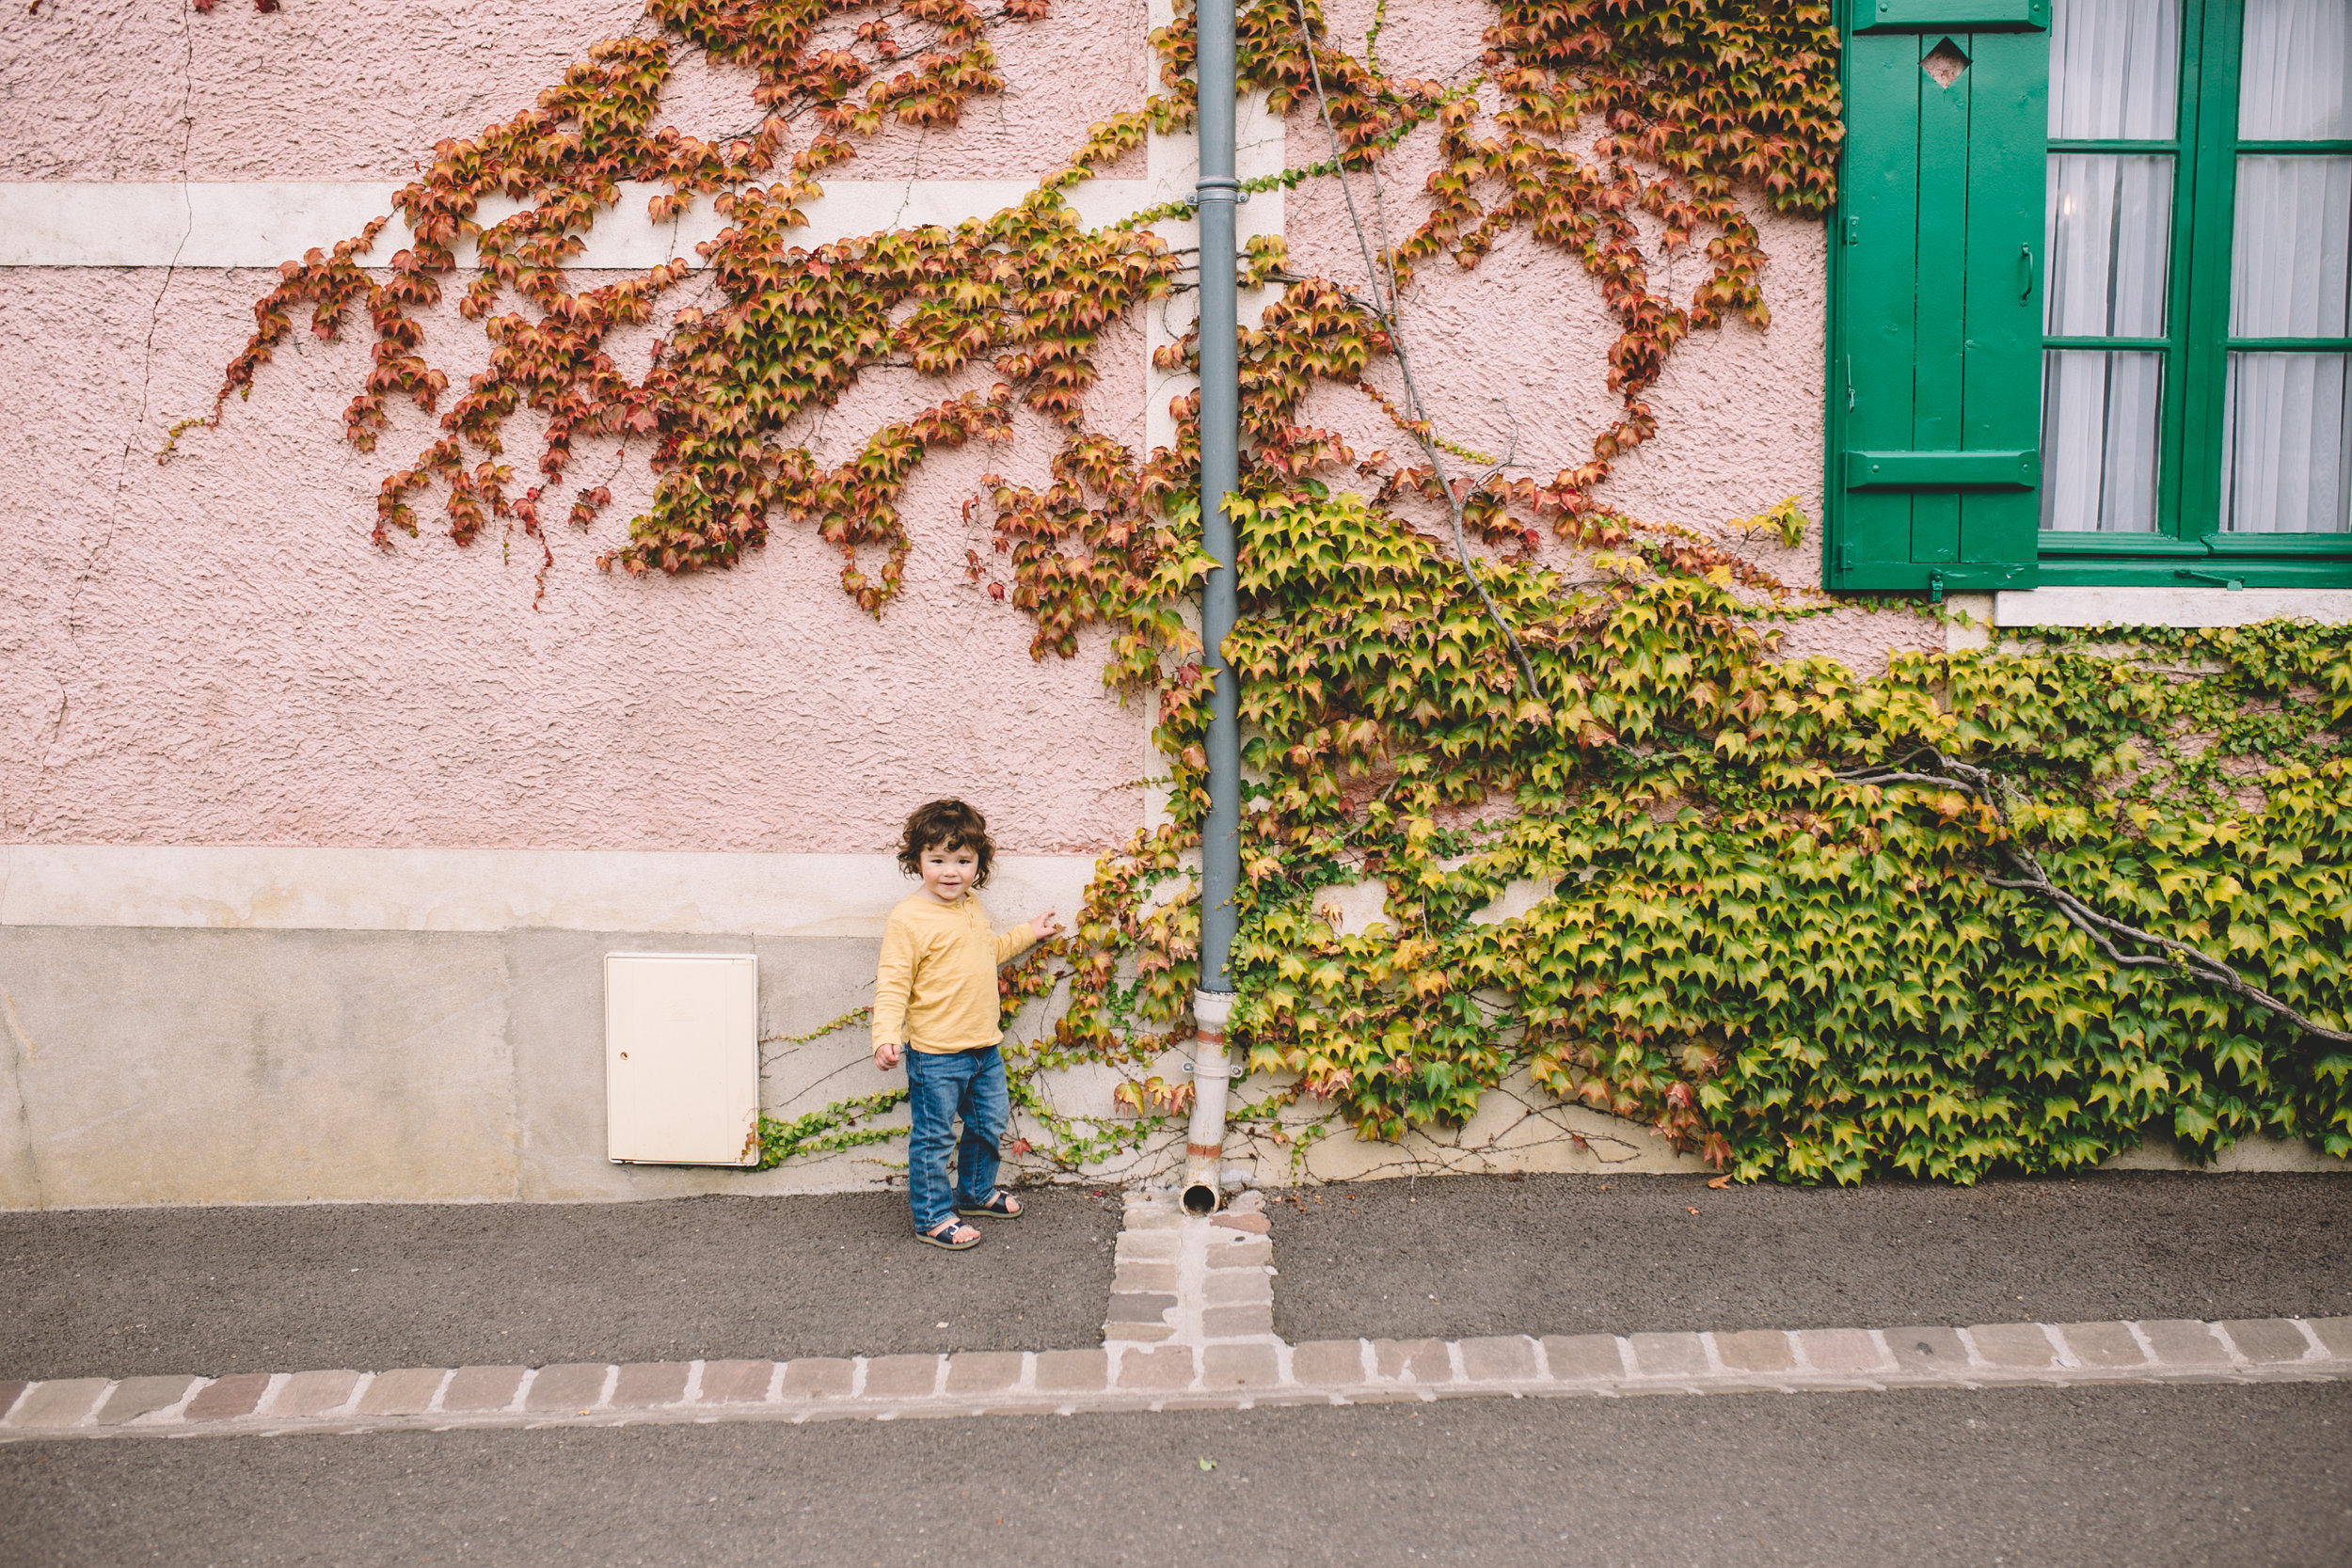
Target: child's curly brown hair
{"points": [[945, 825]]}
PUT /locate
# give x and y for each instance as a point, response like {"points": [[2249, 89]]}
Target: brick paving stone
{"points": [[1138, 1333], [736, 1382], [2103, 1344], [236, 1395], [900, 1377], [1580, 1357], [1669, 1354], [2335, 1333], [404, 1392], [12, 1389], [481, 1388], [818, 1377], [1252, 1225], [1147, 1245], [1928, 1350], [2014, 1345], [1425, 1359], [134, 1397], [316, 1393], [2186, 1342], [1756, 1350], [1071, 1371], [645, 1385], [1240, 1252], [1140, 1275], [1152, 1216], [1840, 1350], [1237, 1287], [1233, 1323], [570, 1388], [983, 1372], [1499, 1358], [2265, 1340], [59, 1402], [1168, 1367], [1240, 1367], [1329, 1361], [1140, 1306]]}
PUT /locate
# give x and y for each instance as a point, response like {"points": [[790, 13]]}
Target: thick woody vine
{"points": [[1766, 928]]}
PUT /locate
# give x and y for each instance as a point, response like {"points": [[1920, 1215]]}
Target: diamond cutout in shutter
{"points": [[1945, 62]]}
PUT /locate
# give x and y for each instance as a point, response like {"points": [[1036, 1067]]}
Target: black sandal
{"points": [[1000, 1205], [939, 1236]]}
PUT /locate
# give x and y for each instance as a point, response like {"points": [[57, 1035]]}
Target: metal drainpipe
{"points": [[1214, 198]]}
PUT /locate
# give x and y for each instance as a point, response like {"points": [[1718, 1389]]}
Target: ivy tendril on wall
{"points": [[1763, 928]]}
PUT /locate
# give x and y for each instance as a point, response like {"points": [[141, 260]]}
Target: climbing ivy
{"points": [[1796, 975]]}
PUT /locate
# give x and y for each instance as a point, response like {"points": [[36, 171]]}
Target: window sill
{"points": [[2145, 605]]}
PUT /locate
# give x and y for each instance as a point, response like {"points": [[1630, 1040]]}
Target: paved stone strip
{"points": [[1185, 1281], [1222, 1375]]}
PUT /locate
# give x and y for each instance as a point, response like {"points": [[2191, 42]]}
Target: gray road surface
{"points": [[2135, 1477], [1573, 1254], [129, 1293]]}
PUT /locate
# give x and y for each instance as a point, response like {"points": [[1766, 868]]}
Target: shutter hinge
{"points": [[1853, 231], [2235, 585]]}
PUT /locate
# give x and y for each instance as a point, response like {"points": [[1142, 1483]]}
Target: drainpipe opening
{"points": [[1202, 1198]]}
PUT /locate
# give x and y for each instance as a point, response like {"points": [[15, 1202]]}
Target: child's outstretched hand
{"points": [[885, 1055], [1047, 926]]}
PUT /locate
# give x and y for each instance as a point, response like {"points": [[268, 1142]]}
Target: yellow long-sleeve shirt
{"points": [[935, 988]]}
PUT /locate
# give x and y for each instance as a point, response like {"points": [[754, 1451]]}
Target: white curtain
{"points": [[2099, 413], [2295, 71], [2289, 276], [2108, 243], [2287, 454], [2115, 69], [2107, 228], [2286, 467]]}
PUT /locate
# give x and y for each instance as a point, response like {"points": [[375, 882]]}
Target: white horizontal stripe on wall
{"points": [[262, 888], [60, 223], [2169, 607]]}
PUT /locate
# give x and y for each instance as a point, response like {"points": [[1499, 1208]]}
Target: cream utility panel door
{"points": [[681, 1058]]}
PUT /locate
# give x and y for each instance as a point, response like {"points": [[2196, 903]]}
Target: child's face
{"points": [[947, 872]]}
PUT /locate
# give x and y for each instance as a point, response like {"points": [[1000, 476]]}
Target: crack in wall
{"points": [[93, 560]]}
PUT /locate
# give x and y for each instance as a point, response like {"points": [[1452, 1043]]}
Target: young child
{"points": [[936, 995]]}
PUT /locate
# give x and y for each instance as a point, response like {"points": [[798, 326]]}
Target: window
{"points": [[2199, 217], [2186, 415]]}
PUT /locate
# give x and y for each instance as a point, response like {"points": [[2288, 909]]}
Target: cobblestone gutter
{"points": [[1190, 1326]]}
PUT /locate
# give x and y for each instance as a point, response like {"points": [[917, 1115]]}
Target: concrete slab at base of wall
{"points": [[162, 1065]]}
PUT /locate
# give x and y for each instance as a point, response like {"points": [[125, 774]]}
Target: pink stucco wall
{"points": [[358, 89], [210, 652]]}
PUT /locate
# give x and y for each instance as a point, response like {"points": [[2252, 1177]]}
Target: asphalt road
{"points": [[1572, 1254], [128, 1293], [2135, 1477]]}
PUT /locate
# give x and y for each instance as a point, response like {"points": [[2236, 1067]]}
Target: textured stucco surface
{"points": [[347, 89], [210, 652]]}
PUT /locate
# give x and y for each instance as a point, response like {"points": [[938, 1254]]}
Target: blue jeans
{"points": [[938, 1088]]}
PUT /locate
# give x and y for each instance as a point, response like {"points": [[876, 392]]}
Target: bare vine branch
{"points": [[1420, 428], [1993, 793]]}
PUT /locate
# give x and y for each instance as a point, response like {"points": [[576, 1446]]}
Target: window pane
{"points": [[2099, 440], [2115, 68], [2286, 461], [2109, 240], [2294, 74], [2289, 276]]}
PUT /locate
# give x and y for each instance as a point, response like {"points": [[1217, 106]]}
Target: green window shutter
{"points": [[1936, 379]]}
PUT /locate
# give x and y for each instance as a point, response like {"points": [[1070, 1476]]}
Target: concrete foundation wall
{"points": [[158, 1066]]}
